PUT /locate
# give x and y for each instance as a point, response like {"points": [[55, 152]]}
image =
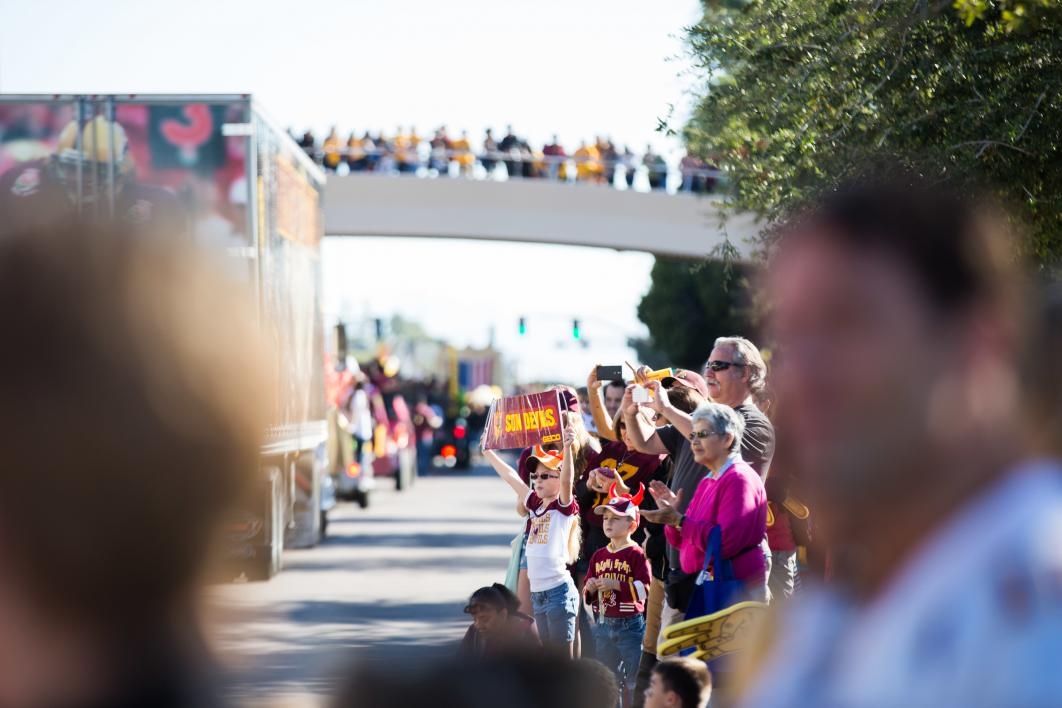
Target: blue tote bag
{"points": [[718, 589]]}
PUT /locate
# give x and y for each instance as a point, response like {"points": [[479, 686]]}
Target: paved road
{"points": [[389, 581]]}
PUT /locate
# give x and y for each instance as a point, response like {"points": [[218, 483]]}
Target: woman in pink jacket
{"points": [[731, 496]]}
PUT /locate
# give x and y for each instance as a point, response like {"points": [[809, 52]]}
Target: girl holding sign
{"points": [[553, 536]]}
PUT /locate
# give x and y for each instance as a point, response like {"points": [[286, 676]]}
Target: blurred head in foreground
{"points": [[518, 679], [898, 318], [920, 421], [129, 422]]}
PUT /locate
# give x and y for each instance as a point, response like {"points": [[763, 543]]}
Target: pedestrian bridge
{"points": [[537, 211]]}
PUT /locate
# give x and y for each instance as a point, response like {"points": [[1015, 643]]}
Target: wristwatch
{"points": [[682, 520]]}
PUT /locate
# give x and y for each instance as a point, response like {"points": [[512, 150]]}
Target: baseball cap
{"points": [[689, 379], [552, 459], [622, 504]]}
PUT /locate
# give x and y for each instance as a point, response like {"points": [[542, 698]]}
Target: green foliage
{"points": [[690, 304], [798, 95]]}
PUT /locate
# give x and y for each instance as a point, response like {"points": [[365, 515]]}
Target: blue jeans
{"points": [[555, 612], [618, 641]]}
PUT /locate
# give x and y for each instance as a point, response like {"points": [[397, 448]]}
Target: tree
{"points": [[690, 304], [799, 95]]}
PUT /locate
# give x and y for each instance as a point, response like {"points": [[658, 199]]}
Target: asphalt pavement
{"points": [[389, 581]]}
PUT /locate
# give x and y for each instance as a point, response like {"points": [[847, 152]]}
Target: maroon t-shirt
{"points": [[627, 566], [634, 467]]}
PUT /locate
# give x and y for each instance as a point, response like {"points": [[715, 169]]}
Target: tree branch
{"points": [[985, 144], [1032, 113]]}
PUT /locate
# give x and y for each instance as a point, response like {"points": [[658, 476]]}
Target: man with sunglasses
{"points": [[735, 374]]}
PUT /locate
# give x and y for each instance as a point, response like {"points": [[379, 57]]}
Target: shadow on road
{"points": [[346, 634]]}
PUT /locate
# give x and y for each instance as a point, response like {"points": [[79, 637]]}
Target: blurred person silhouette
{"points": [[489, 158], [587, 163], [899, 313], [609, 158], [497, 623], [331, 148], [555, 154], [515, 679], [372, 149], [406, 146], [356, 158], [656, 167], [510, 145], [131, 419], [630, 165], [463, 155], [308, 143], [441, 147], [694, 174]]}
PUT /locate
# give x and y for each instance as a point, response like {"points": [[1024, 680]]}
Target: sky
{"points": [[575, 68]]}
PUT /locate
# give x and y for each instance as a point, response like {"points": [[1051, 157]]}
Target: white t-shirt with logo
{"points": [[973, 619], [547, 541]]}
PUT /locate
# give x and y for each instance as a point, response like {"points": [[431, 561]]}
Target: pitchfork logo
{"points": [[191, 133]]}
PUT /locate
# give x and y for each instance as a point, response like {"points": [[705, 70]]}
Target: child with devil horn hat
{"points": [[616, 585]]}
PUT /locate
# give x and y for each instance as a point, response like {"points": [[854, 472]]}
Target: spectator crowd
{"points": [[599, 161], [665, 523], [888, 492]]}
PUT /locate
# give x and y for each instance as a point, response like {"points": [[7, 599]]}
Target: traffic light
{"points": [[379, 328], [522, 326], [576, 332]]}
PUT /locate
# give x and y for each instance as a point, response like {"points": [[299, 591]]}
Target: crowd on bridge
{"points": [[597, 161]]}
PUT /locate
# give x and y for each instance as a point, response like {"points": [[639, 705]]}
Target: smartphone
{"points": [[640, 394], [610, 373]]}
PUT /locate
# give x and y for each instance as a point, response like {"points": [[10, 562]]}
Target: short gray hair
{"points": [[746, 354], [721, 419]]}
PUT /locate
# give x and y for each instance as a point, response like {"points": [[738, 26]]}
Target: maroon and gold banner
{"points": [[522, 421]]}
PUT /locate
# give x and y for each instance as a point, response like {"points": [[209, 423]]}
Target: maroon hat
{"points": [[689, 379], [569, 401]]}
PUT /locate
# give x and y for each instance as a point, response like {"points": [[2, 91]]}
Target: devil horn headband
{"points": [[635, 499]]}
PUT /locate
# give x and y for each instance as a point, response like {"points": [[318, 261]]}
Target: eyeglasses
{"points": [[702, 434], [543, 475], [720, 365]]}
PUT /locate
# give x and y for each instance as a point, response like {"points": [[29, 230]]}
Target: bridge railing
{"points": [[621, 173]]}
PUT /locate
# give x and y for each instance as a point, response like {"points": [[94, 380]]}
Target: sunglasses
{"points": [[543, 475], [702, 434], [720, 365]]}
